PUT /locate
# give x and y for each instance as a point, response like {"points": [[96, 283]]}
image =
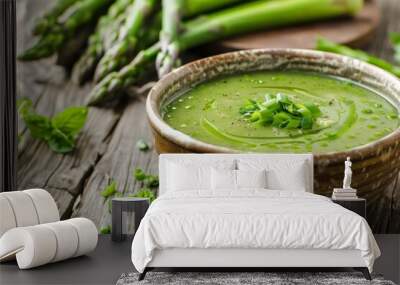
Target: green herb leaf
{"points": [[145, 193], [59, 132], [60, 142], [249, 107], [314, 109], [142, 145], [281, 120], [151, 181], [71, 120], [293, 124], [105, 230], [110, 190], [266, 116], [281, 112], [139, 174], [39, 126]]}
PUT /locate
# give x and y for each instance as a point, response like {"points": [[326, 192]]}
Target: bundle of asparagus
{"points": [[218, 25], [102, 39], [60, 24], [134, 37]]}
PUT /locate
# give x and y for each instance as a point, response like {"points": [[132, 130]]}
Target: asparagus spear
{"points": [[221, 24], [126, 44], [110, 87], [326, 45], [105, 35], [167, 58], [195, 7], [171, 24], [83, 12], [49, 19], [262, 14]]}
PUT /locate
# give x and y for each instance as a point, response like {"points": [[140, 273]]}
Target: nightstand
{"points": [[357, 205], [121, 208]]}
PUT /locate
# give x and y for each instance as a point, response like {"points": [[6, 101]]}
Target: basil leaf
{"points": [[60, 142], [71, 120], [39, 126], [60, 131]]}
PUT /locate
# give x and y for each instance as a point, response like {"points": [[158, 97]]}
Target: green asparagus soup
{"points": [[282, 112]]}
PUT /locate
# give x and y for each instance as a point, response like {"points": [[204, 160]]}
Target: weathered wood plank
{"points": [[119, 162]]}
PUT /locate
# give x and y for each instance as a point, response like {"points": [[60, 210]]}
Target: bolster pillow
{"points": [[40, 244], [26, 208]]}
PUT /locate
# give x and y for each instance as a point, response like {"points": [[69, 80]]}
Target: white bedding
{"points": [[253, 218]]}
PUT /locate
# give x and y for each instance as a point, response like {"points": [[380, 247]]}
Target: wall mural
{"points": [[84, 72]]}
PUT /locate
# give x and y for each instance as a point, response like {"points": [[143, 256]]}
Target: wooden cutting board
{"points": [[355, 32]]}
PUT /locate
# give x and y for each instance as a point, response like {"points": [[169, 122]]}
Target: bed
{"points": [[246, 211]]}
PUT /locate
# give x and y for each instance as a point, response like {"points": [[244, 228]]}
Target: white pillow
{"points": [[288, 174], [223, 179], [185, 173], [185, 177], [251, 178]]}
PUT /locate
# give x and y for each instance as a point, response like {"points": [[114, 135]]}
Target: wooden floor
{"points": [[106, 148]]}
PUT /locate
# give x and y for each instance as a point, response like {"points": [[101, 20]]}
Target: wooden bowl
{"points": [[375, 165]]}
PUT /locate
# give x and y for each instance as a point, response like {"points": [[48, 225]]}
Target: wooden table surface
{"points": [[106, 147]]}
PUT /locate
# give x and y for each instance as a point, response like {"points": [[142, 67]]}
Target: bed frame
{"points": [[239, 259], [242, 259]]}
